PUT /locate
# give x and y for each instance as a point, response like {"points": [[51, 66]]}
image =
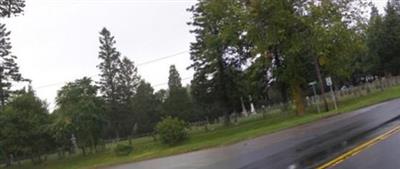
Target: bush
{"points": [[171, 131], [123, 149]]}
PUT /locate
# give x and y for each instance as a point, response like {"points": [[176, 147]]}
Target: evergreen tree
{"points": [[174, 79], [374, 43], [9, 73], [178, 103], [161, 95], [389, 51], [118, 84], [146, 107], [11, 7], [128, 80], [9, 70], [220, 50], [127, 83], [109, 67]]}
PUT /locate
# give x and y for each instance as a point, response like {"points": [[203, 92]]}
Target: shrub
{"points": [[123, 149], [171, 131]]}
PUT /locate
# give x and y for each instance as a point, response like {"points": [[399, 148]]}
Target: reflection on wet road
{"points": [[301, 147], [384, 154]]}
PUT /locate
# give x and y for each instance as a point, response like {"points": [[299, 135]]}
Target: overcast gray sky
{"points": [[56, 41]]}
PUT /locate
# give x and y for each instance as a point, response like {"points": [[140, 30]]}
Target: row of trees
{"points": [[120, 104], [272, 49], [131, 105], [260, 51], [383, 40]]}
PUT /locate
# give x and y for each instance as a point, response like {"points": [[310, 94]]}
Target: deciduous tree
{"points": [[24, 131], [80, 112]]}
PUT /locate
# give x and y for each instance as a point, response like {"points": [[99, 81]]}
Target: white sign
{"points": [[312, 83], [328, 81]]}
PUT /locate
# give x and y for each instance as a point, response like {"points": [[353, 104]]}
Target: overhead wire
{"points": [[140, 64]]}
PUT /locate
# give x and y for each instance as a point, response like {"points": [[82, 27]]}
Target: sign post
{"points": [[312, 84], [330, 84]]}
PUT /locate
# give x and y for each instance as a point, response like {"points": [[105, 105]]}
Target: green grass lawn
{"points": [[146, 148]]}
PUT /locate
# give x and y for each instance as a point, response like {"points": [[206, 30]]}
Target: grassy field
{"points": [[146, 148]]}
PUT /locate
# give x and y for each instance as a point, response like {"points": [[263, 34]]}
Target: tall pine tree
{"points": [[109, 67], [127, 83], [178, 103], [374, 43], [128, 80], [389, 51], [174, 79], [9, 70], [11, 7], [118, 83]]}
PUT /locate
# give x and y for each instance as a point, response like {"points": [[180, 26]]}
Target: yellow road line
{"points": [[360, 148]]}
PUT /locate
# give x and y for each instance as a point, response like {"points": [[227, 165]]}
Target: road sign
{"points": [[316, 97], [312, 83], [328, 81]]}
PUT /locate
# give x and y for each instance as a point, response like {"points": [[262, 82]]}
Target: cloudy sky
{"points": [[56, 41]]}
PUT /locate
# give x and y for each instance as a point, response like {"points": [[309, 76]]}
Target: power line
{"points": [[140, 64], [162, 84], [49, 85], [161, 58]]}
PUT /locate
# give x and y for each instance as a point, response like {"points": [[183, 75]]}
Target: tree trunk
{"points": [[227, 119], [321, 83], [2, 95], [117, 136], [8, 161], [83, 151], [298, 99], [224, 93]]}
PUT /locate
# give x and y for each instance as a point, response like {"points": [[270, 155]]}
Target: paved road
{"points": [[299, 147], [384, 155]]}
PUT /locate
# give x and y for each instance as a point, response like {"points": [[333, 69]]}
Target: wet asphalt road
{"points": [[383, 155], [301, 147]]}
